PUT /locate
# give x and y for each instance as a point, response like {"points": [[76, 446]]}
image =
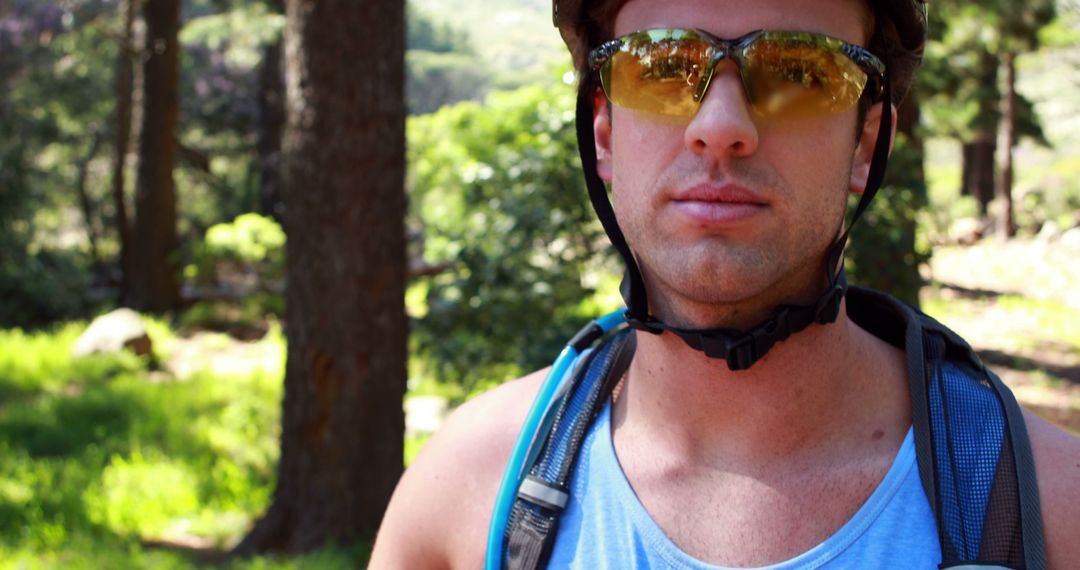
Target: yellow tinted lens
{"points": [[800, 76], [660, 75]]}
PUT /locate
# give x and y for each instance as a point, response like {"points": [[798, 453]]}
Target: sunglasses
{"points": [[785, 74]]}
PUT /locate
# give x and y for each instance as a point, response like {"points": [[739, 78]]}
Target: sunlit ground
{"points": [[118, 462], [1018, 304]]}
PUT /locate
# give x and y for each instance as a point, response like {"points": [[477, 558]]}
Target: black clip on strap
{"points": [[741, 349]]}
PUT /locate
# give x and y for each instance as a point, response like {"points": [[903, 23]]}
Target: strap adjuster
{"points": [[741, 353], [543, 493], [828, 305], [645, 325]]}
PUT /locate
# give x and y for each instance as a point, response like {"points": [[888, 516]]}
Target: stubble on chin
{"points": [[726, 278]]}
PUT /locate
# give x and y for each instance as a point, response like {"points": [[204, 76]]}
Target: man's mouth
{"points": [[712, 204]]}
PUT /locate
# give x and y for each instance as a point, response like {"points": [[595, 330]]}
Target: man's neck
{"points": [[819, 392]]}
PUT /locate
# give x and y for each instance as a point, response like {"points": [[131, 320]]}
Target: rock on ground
{"points": [[112, 332]]}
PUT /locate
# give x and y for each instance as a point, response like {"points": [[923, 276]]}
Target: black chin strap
{"points": [[740, 348], [633, 286]]}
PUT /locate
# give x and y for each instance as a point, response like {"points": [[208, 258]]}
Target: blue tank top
{"points": [[606, 526]]}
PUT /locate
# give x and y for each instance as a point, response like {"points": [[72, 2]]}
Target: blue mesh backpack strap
{"points": [[974, 455], [533, 523], [973, 451]]}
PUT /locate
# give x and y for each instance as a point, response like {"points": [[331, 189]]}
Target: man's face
{"points": [[729, 208]]}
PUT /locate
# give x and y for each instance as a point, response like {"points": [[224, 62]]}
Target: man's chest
{"points": [[749, 517]]}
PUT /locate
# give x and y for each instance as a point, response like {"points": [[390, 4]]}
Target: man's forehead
{"points": [[846, 19]]}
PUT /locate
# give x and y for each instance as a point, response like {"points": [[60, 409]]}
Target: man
{"points": [[730, 192]]}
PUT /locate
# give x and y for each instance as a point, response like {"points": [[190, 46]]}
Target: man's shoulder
{"points": [[439, 513], [1057, 467]]}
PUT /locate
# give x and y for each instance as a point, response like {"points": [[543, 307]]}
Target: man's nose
{"points": [[724, 123]]}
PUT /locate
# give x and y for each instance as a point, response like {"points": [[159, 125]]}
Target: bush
{"points": [[248, 251], [43, 286], [497, 198], [239, 274]]}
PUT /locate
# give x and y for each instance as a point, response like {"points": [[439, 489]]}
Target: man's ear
{"points": [[602, 134], [864, 150]]}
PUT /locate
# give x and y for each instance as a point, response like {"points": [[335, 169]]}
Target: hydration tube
{"points": [[515, 467]]}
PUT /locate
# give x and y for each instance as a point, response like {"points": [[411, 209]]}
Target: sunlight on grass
{"points": [[1018, 316], [102, 454], [1056, 320]]}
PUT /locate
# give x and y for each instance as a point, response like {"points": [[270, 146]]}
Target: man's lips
{"points": [[718, 204]]}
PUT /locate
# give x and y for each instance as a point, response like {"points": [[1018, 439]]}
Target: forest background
{"points": [[168, 459]]}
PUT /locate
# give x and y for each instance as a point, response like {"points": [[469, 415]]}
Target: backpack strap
{"points": [[543, 495], [974, 455], [973, 450]]}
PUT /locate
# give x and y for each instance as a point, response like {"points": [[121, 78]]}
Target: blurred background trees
{"points": [[143, 148]]}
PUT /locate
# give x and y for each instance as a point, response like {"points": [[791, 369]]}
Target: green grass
{"points": [[1050, 318], [101, 455]]}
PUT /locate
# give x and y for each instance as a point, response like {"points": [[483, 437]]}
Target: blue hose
{"points": [[515, 467]]}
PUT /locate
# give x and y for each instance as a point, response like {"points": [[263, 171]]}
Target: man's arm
{"points": [[1057, 467], [439, 514]]}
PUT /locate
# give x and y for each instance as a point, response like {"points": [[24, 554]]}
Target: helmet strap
{"points": [[633, 286], [740, 348]]}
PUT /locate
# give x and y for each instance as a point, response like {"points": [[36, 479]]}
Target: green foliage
{"points": [[223, 48], [1063, 31], [52, 103], [100, 453], [497, 195], [83, 553], [434, 79], [441, 67], [883, 252], [238, 33], [513, 39], [423, 33], [39, 286], [251, 244], [960, 75], [245, 261]]}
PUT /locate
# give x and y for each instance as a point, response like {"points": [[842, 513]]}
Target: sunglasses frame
{"points": [[734, 49]]}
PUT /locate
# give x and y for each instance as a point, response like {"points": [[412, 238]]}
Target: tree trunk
{"points": [[979, 165], [343, 424], [125, 84], [1006, 225], [154, 285], [978, 172], [270, 127]]}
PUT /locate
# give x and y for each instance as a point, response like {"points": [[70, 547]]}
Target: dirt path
{"points": [[1018, 304]]}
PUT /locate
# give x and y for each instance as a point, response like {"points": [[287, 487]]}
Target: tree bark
{"points": [[1006, 223], [154, 285], [978, 173], [125, 84], [343, 424], [270, 128], [979, 165]]}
